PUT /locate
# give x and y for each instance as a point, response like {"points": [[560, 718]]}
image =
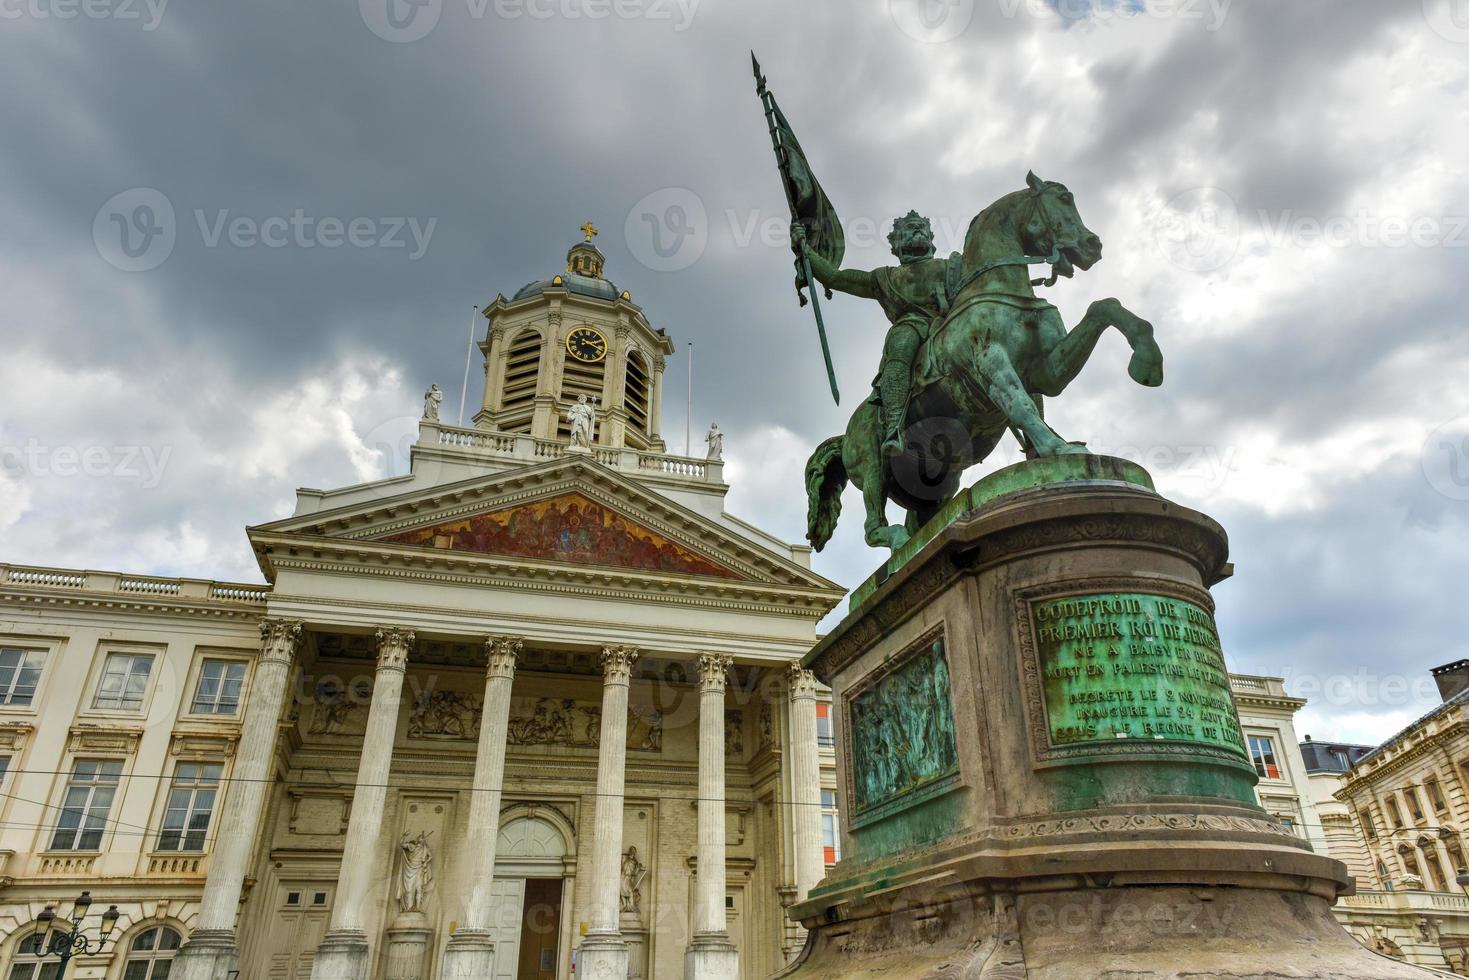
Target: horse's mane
{"points": [[994, 209]]}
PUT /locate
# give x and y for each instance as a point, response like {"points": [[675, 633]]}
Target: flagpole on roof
{"points": [[468, 357]]}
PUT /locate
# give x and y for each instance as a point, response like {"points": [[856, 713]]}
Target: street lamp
{"points": [[66, 945]]}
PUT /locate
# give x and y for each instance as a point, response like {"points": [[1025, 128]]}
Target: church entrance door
{"points": [[540, 932], [533, 877]]}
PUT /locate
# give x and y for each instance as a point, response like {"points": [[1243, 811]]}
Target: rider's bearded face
{"points": [[914, 244]]}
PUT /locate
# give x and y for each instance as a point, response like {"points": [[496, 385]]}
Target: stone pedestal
{"points": [[1041, 769], [406, 952], [635, 935]]}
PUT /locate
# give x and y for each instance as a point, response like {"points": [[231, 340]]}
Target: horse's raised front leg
{"points": [[1007, 392], [881, 534], [1066, 359], [866, 468]]}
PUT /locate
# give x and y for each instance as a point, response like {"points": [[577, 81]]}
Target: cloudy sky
{"points": [[239, 240]]}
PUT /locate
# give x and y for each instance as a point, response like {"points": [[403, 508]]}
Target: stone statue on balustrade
{"points": [[583, 419], [715, 439], [432, 399]]}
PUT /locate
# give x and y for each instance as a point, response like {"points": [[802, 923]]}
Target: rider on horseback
{"points": [[914, 296]]}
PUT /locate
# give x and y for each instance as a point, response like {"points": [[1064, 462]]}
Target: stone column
{"points": [[471, 950], [711, 956], [212, 949], [603, 953], [805, 781], [344, 953]]}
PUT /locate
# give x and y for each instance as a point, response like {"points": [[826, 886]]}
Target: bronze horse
{"points": [[988, 362]]}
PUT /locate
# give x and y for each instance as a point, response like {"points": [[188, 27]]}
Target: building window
{"points": [[1394, 814], [1369, 829], [20, 672], [831, 835], [1415, 805], [1288, 823], [522, 370], [638, 392], [190, 806], [1435, 868], [219, 687], [150, 957], [1410, 862], [84, 809], [4, 768], [1262, 750], [124, 681], [1435, 795], [823, 726], [30, 961]]}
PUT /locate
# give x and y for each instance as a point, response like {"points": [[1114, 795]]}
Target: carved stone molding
{"points": [[617, 663], [503, 652], [393, 646], [88, 738], [280, 639], [322, 812], [802, 683], [215, 746], [13, 735], [714, 671]]}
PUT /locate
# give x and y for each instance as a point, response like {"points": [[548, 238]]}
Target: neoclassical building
{"points": [[1409, 802], [531, 708]]}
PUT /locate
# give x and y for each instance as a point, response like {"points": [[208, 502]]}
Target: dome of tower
{"points": [[583, 275]]}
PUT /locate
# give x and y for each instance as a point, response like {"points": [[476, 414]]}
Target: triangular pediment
{"points": [[571, 516], [567, 527]]}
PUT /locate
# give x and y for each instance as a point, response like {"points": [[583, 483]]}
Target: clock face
{"points": [[586, 344]]}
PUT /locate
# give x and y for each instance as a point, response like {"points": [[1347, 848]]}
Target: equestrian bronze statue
{"points": [[971, 351]]}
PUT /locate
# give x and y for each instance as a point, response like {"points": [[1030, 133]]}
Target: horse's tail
{"points": [[826, 478]]}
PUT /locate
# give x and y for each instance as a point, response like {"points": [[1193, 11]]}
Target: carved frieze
{"points": [[445, 715], [577, 724], [901, 724]]}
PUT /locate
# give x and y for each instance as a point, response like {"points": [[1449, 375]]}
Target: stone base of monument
{"points": [[1041, 768]]}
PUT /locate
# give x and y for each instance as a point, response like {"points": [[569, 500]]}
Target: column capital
{"points": [[617, 662], [393, 644], [503, 651], [280, 639], [714, 671], [802, 683]]}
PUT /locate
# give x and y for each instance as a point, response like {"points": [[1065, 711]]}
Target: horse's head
{"points": [[911, 238], [1052, 224]]}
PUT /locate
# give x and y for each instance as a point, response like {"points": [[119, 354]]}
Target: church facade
{"points": [[531, 710]]}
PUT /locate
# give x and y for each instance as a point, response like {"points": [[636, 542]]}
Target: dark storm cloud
{"points": [[265, 367]]}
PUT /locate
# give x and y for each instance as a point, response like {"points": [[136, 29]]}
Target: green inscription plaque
{"points": [[1130, 667]]}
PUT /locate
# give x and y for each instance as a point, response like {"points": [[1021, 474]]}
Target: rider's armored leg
{"points": [[895, 382]]}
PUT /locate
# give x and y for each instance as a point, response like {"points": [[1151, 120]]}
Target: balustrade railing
{"points": [[526, 448]]}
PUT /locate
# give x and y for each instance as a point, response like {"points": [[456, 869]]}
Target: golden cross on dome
{"points": [[589, 230]]}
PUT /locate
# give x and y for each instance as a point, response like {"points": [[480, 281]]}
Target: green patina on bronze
{"points": [[1029, 474], [1133, 666], [971, 351], [902, 727]]}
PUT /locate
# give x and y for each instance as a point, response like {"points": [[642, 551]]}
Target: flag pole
{"points": [[688, 420], [468, 357], [783, 162]]}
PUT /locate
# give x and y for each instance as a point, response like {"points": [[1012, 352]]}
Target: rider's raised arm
{"points": [[854, 282]]}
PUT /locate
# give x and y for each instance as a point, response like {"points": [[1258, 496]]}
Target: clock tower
{"points": [[574, 334]]}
